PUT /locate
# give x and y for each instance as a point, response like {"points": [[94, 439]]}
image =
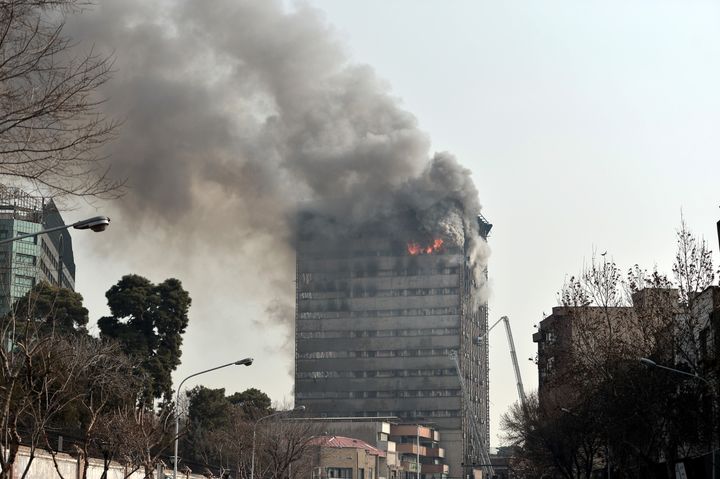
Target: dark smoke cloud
{"points": [[237, 111]]}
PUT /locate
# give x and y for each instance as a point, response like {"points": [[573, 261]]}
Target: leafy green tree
{"points": [[53, 308], [254, 402], [148, 320], [208, 408], [218, 430]]}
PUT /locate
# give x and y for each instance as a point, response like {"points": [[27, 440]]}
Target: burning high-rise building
{"points": [[380, 309]]}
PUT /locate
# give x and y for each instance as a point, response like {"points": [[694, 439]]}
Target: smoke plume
{"points": [[237, 111]]}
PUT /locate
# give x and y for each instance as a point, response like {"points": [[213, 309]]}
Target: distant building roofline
{"points": [[349, 419], [342, 442]]}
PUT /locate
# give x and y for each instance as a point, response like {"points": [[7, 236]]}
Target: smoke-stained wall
{"points": [[237, 111], [380, 308]]}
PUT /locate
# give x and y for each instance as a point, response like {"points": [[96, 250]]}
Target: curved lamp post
{"points": [[651, 363], [245, 362], [96, 223], [252, 460]]}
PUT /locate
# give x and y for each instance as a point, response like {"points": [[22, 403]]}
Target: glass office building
{"points": [[24, 263]]}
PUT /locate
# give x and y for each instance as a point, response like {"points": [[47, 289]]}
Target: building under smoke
{"points": [[379, 310], [24, 263]]}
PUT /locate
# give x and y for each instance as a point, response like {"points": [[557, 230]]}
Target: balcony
{"points": [[412, 430], [410, 448], [435, 469], [434, 452]]}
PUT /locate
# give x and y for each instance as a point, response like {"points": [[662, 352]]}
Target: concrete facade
{"points": [[375, 325]]}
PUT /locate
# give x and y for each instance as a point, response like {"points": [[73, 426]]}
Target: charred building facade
{"points": [[377, 318]]}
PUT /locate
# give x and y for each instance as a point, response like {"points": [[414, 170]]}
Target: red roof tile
{"points": [[345, 442]]}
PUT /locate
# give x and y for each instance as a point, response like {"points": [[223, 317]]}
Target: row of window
{"points": [[25, 259], [337, 473], [383, 353], [411, 414], [50, 255], [380, 313], [24, 268], [359, 292], [306, 276], [24, 281], [417, 393], [46, 271], [341, 473], [4, 234], [379, 373], [400, 249], [380, 333]]}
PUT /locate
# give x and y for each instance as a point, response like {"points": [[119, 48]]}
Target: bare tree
{"points": [[51, 126], [615, 319], [550, 442], [43, 376], [284, 444], [694, 272], [142, 437], [108, 384], [54, 378]]}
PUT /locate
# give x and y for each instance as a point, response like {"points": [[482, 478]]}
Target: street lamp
{"points": [[650, 362], [252, 460], [96, 223], [245, 362]]}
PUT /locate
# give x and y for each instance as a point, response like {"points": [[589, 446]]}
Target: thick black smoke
{"points": [[237, 111]]}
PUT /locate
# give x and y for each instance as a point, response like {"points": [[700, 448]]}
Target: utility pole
{"points": [[418, 451]]}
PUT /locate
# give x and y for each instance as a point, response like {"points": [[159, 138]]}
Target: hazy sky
{"points": [[586, 125]]}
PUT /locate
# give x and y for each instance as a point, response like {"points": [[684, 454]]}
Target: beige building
{"points": [[402, 445], [339, 457], [374, 431]]}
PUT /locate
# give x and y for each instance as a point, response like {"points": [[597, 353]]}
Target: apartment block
{"points": [[560, 333], [418, 448]]}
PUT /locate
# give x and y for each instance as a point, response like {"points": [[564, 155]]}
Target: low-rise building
{"points": [[501, 459], [404, 446], [419, 443], [339, 457], [374, 431]]}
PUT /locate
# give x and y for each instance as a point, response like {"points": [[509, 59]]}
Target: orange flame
{"points": [[415, 248]]}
